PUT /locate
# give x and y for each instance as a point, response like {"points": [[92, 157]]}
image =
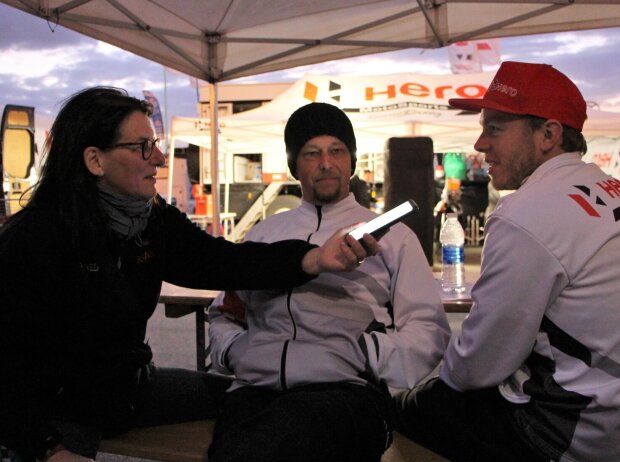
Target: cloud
{"points": [[42, 68], [394, 62], [27, 32], [571, 43], [28, 63]]}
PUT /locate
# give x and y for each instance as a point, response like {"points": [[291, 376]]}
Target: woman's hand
{"points": [[340, 252]]}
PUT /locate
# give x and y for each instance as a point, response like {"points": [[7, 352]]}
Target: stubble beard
{"points": [[327, 197], [516, 172]]}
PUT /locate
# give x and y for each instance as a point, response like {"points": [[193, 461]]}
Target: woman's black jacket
{"points": [[72, 328]]}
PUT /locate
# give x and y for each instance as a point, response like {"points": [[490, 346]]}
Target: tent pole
{"points": [[170, 170], [165, 118], [215, 186]]}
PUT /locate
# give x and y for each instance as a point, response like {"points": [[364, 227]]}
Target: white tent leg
{"points": [[215, 186], [170, 170]]}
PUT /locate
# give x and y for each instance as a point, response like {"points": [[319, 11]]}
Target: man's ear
{"points": [[92, 160], [552, 131]]}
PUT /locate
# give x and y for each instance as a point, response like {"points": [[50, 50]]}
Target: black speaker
{"points": [[474, 198], [241, 196], [408, 174]]}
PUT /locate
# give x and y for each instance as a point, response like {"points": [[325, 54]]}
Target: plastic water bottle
{"points": [[452, 238]]}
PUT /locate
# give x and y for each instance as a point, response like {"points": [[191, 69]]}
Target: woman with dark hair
{"points": [[81, 268]]}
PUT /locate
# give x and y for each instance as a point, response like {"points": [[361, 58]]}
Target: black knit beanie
{"points": [[317, 119]]}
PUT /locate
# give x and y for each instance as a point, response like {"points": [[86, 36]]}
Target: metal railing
{"points": [[257, 210]]}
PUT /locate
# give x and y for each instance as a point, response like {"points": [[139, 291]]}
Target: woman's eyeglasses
{"points": [[146, 147]]}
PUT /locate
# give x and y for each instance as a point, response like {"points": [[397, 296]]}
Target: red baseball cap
{"points": [[531, 89]]}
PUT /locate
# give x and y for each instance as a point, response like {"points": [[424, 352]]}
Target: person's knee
{"points": [[405, 410], [408, 400], [417, 406]]}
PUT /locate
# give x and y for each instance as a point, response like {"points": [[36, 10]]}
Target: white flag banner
{"points": [[157, 117], [469, 56], [488, 52], [464, 58]]}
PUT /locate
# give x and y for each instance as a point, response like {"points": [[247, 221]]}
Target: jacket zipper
{"points": [[319, 213]]}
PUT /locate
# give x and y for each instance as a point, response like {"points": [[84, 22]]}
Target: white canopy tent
{"points": [[216, 40]]}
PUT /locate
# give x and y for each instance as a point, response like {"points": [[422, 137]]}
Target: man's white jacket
{"points": [[545, 324], [381, 323]]}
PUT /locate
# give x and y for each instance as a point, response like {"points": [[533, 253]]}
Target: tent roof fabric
{"points": [[226, 39]]}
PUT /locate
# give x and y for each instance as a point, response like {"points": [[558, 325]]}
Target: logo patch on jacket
{"points": [[593, 204], [146, 256]]}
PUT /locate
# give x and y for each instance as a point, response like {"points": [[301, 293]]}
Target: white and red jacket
{"points": [[381, 323], [545, 325]]}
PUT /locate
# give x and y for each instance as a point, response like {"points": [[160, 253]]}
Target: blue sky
{"points": [[41, 68]]}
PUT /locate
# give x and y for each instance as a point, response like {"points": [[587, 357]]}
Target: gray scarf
{"points": [[128, 216]]}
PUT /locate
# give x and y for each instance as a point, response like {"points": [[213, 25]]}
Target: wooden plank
{"points": [[189, 442], [178, 310], [184, 442], [404, 450], [182, 295]]}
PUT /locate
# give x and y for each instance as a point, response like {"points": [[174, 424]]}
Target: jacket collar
{"points": [[336, 208], [568, 158]]}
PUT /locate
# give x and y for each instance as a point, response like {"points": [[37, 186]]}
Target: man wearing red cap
{"points": [[535, 372]]}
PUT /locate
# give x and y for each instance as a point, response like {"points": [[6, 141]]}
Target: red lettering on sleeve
{"points": [[611, 187]]}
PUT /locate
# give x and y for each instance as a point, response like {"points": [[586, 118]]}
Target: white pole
{"points": [[215, 186], [166, 119], [170, 172]]}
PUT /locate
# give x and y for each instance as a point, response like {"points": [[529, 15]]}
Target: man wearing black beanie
{"points": [[316, 119], [312, 365]]}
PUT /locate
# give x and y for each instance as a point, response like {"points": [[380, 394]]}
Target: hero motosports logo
{"points": [[500, 87], [386, 97], [311, 91], [599, 199]]}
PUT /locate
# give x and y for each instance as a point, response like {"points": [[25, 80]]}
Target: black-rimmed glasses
{"points": [[146, 147]]}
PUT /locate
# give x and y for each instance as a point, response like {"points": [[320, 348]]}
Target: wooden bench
{"points": [[184, 442], [188, 442]]}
